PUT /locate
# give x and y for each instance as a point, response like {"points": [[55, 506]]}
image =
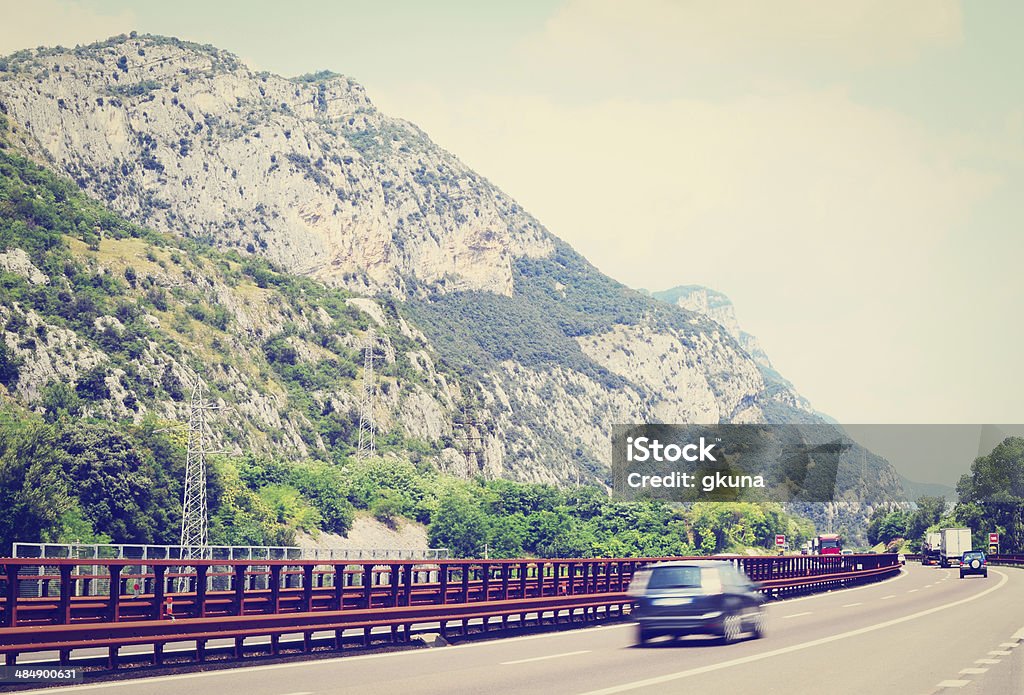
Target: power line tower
{"points": [[468, 439], [194, 521], [367, 406]]}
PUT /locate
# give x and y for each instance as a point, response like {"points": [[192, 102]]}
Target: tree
{"points": [[33, 488], [992, 494], [459, 525]]}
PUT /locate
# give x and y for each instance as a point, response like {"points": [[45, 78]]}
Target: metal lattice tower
{"points": [[194, 522], [367, 406], [469, 439]]}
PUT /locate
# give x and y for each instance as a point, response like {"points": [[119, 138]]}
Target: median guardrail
{"points": [[54, 607]]}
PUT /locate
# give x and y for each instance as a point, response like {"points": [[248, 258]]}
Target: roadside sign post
{"points": [[993, 544], [780, 543]]}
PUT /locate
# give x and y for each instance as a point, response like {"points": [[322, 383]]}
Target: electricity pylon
{"points": [[194, 515], [470, 438], [367, 406]]}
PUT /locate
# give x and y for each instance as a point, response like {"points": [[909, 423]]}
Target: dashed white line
{"points": [[953, 684], [851, 605], [671, 677], [886, 598], [1009, 645], [999, 652], [988, 661], [544, 658], [973, 671], [912, 591], [797, 615]]}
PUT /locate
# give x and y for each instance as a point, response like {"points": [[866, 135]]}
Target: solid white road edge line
{"points": [[658, 680], [544, 658]]}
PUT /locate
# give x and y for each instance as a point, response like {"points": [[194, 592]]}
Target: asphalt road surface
{"points": [[926, 631]]}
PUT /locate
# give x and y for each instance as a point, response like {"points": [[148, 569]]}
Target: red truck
{"points": [[828, 544]]}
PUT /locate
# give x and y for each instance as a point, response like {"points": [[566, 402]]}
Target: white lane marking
{"points": [[851, 605], [912, 591], [797, 615], [973, 671], [988, 661], [999, 652], [886, 598], [1019, 634], [953, 684], [1009, 645], [928, 586], [301, 692], [299, 664], [658, 680], [544, 658]]}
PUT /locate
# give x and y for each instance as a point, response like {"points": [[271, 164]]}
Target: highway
{"points": [[925, 631]]}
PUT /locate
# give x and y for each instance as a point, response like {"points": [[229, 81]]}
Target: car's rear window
{"points": [[674, 578]]}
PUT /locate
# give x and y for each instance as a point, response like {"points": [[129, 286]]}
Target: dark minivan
{"points": [[698, 597]]}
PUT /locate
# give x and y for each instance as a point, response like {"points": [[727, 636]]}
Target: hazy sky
{"points": [[849, 173]]}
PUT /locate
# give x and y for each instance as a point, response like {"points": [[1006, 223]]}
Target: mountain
{"points": [[915, 490], [249, 229]]}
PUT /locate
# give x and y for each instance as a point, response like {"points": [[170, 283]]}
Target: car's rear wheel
{"points": [[758, 627], [642, 636], [732, 627]]}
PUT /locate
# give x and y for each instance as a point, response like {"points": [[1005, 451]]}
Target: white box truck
{"points": [[954, 543]]}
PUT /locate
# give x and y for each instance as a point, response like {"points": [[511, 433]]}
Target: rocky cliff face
{"points": [[506, 342], [184, 138]]}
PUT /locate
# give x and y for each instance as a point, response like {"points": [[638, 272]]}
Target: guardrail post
{"points": [[64, 616], [485, 571], [523, 571], [465, 583], [114, 592], [395, 577], [368, 586], [159, 587], [275, 592], [443, 578], [505, 569], [307, 587], [11, 597], [201, 571], [339, 588], [407, 587], [239, 587]]}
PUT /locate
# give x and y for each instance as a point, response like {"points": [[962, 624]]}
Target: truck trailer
{"points": [[954, 543]]}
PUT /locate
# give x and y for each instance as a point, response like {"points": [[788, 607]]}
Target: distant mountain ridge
{"points": [[485, 315]]}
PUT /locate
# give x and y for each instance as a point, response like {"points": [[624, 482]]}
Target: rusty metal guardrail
{"points": [[226, 599]]}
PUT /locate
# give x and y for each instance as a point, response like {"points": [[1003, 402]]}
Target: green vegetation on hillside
{"points": [[991, 500], [555, 300], [88, 481]]}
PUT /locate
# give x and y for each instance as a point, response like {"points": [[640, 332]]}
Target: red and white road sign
{"points": [[780, 540], [993, 539]]}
